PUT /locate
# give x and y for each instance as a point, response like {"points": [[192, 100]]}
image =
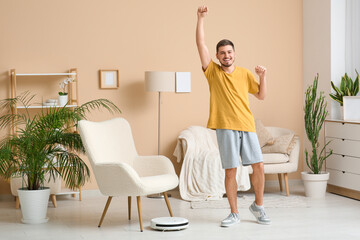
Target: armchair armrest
{"points": [[294, 156], [153, 165], [116, 178]]}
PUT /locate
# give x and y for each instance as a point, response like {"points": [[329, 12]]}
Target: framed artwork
{"points": [[109, 79], [183, 82]]}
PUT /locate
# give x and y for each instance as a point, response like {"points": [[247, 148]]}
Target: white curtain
{"points": [[352, 38]]}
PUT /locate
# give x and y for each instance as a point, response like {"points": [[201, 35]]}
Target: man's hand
{"points": [[260, 71], [202, 11]]}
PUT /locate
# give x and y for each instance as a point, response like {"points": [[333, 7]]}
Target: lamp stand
{"points": [[159, 121], [159, 195]]}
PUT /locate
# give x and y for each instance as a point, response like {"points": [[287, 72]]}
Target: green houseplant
{"points": [[348, 87], [63, 95], [315, 114], [45, 143]]}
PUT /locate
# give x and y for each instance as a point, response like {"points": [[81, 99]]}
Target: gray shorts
{"points": [[235, 144]]}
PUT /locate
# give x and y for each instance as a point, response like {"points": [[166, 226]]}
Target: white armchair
{"points": [[119, 170]]}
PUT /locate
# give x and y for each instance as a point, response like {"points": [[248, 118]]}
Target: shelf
{"points": [[68, 106], [65, 191], [45, 74]]}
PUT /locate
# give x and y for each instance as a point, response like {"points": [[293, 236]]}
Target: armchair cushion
{"points": [[282, 144], [271, 158]]}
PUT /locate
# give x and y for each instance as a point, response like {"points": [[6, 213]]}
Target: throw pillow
{"points": [[282, 144], [264, 136]]}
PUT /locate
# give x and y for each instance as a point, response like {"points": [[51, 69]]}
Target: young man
{"points": [[230, 115]]}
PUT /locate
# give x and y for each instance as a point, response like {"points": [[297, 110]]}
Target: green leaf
{"points": [[337, 98], [343, 84], [338, 91]]}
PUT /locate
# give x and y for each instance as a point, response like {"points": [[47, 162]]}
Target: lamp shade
{"points": [[159, 81]]}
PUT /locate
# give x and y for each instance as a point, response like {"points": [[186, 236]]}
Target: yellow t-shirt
{"points": [[229, 98]]}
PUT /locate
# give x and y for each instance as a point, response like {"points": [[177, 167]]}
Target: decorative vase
{"points": [[34, 204], [63, 100], [315, 184]]}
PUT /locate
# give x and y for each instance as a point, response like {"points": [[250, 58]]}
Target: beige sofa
{"points": [[274, 162]]}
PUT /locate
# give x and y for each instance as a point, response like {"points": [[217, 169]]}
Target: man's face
{"points": [[226, 55]]}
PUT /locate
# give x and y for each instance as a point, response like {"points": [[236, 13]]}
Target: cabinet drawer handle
{"points": [[343, 139], [343, 155], [343, 171], [343, 123]]}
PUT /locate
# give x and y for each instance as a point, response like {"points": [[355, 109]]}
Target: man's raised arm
{"points": [[200, 38]]}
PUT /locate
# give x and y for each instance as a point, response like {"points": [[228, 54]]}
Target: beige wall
{"points": [[136, 36]]}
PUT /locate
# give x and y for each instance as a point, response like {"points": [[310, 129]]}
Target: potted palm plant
{"points": [[315, 181], [44, 144]]}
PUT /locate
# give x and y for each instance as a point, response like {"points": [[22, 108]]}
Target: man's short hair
{"points": [[224, 42]]}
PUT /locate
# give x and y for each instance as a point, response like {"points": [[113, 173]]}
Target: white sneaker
{"points": [[259, 214], [232, 219]]}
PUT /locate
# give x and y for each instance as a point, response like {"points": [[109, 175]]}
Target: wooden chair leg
{"points": [[17, 202], [74, 195], [168, 203], [139, 211], [129, 206], [105, 210], [79, 193], [53, 199], [280, 182], [286, 184]]}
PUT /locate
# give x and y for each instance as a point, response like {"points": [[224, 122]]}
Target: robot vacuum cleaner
{"points": [[169, 223]]}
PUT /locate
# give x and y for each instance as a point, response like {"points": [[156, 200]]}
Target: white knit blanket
{"points": [[201, 176]]}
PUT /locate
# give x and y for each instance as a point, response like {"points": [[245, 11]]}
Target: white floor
{"points": [[334, 217]]}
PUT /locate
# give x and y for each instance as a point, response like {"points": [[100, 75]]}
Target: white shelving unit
{"points": [[73, 100]]}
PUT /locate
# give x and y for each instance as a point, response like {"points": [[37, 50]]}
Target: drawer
{"points": [[344, 147], [342, 130], [343, 163], [345, 180]]}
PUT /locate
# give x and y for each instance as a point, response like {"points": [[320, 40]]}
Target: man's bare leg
{"points": [[231, 188], [258, 182]]}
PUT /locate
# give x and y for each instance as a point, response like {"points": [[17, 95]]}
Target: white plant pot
{"points": [[34, 204], [63, 100], [315, 184]]}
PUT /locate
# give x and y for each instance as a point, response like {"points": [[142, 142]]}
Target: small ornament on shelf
{"points": [[63, 96]]}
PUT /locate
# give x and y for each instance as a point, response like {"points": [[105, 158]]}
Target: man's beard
{"points": [[227, 65]]}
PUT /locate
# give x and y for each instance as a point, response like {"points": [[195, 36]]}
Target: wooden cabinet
{"points": [[71, 88], [344, 163]]}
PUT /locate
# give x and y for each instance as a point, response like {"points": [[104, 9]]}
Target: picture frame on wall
{"points": [[109, 79]]}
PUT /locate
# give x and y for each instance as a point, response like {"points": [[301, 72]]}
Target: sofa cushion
{"points": [[270, 158], [264, 136]]}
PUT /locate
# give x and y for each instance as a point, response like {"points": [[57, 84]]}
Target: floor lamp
{"points": [[159, 82]]}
